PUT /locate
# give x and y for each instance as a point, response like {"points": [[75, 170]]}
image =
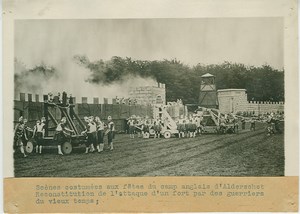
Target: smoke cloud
{"points": [[73, 79]]}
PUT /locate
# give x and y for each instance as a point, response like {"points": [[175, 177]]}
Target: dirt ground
{"points": [[249, 153]]}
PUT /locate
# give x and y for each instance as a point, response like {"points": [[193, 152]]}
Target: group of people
{"points": [[142, 126], [189, 126], [273, 123], [95, 130]]}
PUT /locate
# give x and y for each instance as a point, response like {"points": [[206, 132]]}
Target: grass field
{"points": [[244, 154]]}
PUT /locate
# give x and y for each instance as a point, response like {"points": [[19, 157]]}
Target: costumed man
{"points": [[194, 126], [100, 134], [146, 127], [271, 125], [27, 130], [180, 127], [157, 127], [60, 134], [222, 125], [138, 126], [111, 132], [90, 131], [198, 124], [94, 133], [189, 128], [243, 123], [131, 123], [236, 124], [20, 136], [252, 124], [38, 134]]}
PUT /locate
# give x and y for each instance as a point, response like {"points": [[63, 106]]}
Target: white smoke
{"points": [[71, 78]]}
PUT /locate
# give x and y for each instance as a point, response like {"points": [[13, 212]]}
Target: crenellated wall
{"points": [[263, 107], [31, 106], [235, 100]]}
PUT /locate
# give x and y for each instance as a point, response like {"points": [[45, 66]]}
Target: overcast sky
{"points": [[252, 41]]}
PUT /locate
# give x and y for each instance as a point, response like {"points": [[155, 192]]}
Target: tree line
{"points": [[263, 83]]}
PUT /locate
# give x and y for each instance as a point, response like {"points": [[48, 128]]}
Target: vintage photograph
{"points": [[149, 97]]}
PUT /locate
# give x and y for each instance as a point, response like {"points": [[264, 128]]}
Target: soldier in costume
{"points": [[111, 132], [100, 134], [94, 133], [198, 124], [20, 136], [157, 127], [139, 126], [90, 131], [131, 124], [60, 135], [180, 127], [189, 128], [252, 124], [146, 127], [194, 127], [38, 134]]}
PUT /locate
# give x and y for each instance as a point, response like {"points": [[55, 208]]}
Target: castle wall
{"points": [[235, 100], [145, 95], [31, 107]]}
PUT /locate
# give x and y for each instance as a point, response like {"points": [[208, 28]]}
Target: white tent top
{"points": [[207, 75]]}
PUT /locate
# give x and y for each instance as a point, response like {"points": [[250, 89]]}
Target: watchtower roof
{"points": [[207, 75]]}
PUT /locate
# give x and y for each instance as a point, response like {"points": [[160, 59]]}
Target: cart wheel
{"points": [[146, 135], [66, 148], [29, 147], [167, 134], [152, 132]]}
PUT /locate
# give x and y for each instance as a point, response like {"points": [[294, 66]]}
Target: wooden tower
{"points": [[208, 93]]}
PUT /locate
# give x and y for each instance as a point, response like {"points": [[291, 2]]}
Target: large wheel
{"points": [[66, 148], [152, 132], [29, 147], [167, 134], [146, 135]]}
